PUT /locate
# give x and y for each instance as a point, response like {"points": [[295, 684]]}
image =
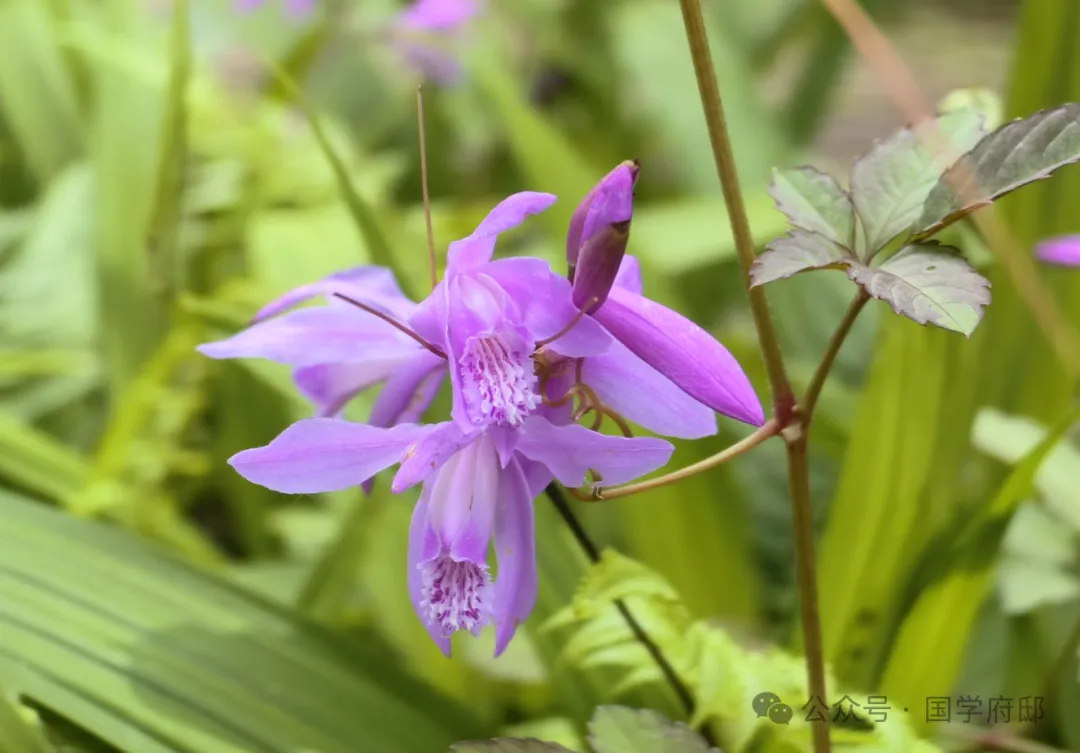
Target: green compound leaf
{"points": [[800, 251], [1014, 155], [617, 729], [929, 284], [890, 184], [815, 202]]}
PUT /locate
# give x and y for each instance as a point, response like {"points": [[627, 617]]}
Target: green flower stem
{"points": [[792, 427], [835, 343], [783, 398]]}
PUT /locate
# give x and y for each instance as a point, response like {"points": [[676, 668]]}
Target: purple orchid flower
{"points": [[609, 283], [1063, 250], [339, 350], [421, 32], [502, 326]]}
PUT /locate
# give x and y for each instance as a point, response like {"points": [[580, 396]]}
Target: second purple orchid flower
{"points": [[519, 349]]}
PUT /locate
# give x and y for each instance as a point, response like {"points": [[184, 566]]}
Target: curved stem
{"points": [[770, 429], [562, 505], [392, 322], [835, 343], [783, 399]]}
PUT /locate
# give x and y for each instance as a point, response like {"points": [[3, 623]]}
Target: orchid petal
{"points": [[537, 476], [1064, 250], [515, 549], [569, 452], [409, 390], [332, 385], [683, 352], [428, 455], [438, 15], [463, 501], [629, 276], [373, 285], [325, 455], [547, 307], [423, 547], [313, 336], [621, 380], [479, 247]]}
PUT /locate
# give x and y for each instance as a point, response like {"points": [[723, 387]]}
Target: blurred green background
{"points": [[158, 185]]}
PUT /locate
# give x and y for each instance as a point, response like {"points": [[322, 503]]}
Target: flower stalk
{"points": [[792, 425], [783, 399]]}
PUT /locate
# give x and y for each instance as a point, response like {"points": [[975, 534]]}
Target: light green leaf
{"points": [[1025, 585], [1011, 438], [18, 733], [815, 202], [37, 94], [801, 251], [986, 102], [1014, 155], [891, 183], [88, 631], [616, 729], [1034, 533], [508, 745], [929, 284]]}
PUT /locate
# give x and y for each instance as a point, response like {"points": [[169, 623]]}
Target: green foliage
{"points": [[724, 674], [613, 729], [163, 174]]}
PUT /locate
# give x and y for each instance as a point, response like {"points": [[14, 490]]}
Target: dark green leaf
{"points": [[890, 184], [800, 251], [616, 729], [153, 655], [929, 284], [815, 202], [1014, 155], [508, 745]]}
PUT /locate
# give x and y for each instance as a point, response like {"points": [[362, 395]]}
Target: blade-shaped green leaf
{"points": [[800, 251], [1014, 155], [929, 284], [18, 734], [814, 201], [891, 183], [508, 745], [152, 655], [616, 729]]}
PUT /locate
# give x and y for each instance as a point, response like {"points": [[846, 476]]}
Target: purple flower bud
{"points": [[599, 231], [1063, 250]]}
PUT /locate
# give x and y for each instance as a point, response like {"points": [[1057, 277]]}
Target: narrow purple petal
{"points": [[1064, 250], [331, 386], [372, 285], [325, 455], [683, 352], [479, 247], [629, 276], [429, 454], [546, 306], [570, 451], [409, 390], [537, 476], [438, 15], [515, 550], [313, 336], [621, 380], [423, 547]]}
